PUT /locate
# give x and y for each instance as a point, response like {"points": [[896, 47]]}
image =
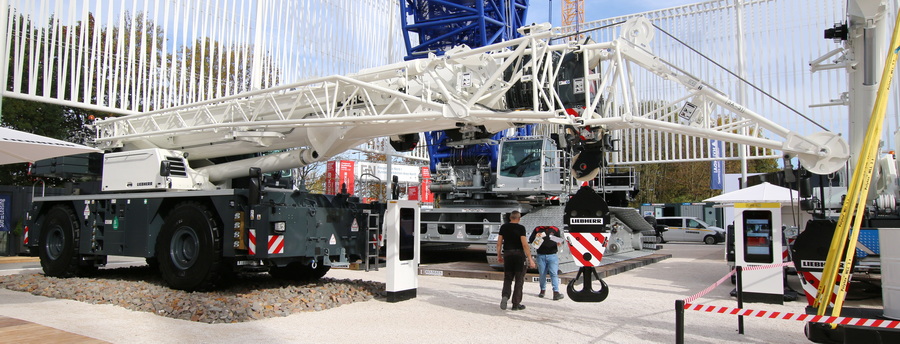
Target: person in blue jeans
{"points": [[548, 240]]}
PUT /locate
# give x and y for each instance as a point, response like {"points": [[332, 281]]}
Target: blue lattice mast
{"points": [[439, 25]]}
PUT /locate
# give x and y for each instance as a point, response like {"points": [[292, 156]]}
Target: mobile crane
{"points": [[184, 186]]}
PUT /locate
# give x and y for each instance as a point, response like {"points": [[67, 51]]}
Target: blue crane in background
{"points": [[441, 25]]}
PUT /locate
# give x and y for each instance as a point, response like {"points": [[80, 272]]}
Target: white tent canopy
{"points": [[764, 192], [18, 146]]}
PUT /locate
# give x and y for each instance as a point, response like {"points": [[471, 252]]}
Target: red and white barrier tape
{"points": [[794, 316], [709, 289], [763, 267], [722, 280]]}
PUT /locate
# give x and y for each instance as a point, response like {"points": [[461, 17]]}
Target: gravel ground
{"points": [[250, 297]]}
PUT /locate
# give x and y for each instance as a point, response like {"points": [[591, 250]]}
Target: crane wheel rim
{"points": [[184, 248]]}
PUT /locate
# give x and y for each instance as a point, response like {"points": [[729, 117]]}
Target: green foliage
{"points": [[18, 230], [680, 182], [138, 34]]}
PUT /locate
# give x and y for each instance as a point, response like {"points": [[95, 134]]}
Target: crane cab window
{"points": [[521, 158]]}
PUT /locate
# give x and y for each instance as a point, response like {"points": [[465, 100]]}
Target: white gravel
{"points": [[640, 309]]}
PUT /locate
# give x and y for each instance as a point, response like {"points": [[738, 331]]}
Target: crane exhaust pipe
{"points": [[267, 163]]}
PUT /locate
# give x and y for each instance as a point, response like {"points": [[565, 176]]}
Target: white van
{"points": [[690, 229]]}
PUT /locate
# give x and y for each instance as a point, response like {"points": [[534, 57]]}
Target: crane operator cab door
{"points": [[529, 164], [757, 242], [401, 219]]}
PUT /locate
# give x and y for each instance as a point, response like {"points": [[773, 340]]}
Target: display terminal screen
{"points": [[407, 233], [758, 236]]}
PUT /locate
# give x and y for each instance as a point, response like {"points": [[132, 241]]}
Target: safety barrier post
{"points": [[679, 321], [740, 301]]}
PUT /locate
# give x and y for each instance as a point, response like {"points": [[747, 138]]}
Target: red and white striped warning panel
{"points": [[810, 282], [794, 316], [25, 240], [276, 244], [587, 248]]}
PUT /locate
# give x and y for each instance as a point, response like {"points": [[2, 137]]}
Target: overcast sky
{"points": [[538, 10]]}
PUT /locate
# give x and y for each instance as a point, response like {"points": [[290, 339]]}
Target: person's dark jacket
{"points": [[548, 246]]}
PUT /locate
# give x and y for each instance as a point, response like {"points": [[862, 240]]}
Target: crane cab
{"points": [[529, 165]]}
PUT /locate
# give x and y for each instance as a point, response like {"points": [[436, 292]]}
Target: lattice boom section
{"points": [[712, 28]]}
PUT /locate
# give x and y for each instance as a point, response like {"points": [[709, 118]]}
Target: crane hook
{"points": [[587, 293]]}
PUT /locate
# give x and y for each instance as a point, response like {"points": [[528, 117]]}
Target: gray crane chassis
{"points": [[199, 238]]}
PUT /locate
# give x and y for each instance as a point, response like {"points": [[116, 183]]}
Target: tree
{"points": [[678, 182], [56, 121], [101, 82], [311, 177]]}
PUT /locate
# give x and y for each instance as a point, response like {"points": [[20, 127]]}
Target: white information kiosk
{"points": [[401, 224], [757, 241]]}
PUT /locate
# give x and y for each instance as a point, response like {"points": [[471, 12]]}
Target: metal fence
{"points": [[138, 55]]}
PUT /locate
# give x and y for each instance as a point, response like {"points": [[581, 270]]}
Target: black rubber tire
{"points": [[189, 249], [710, 240], [59, 235], [152, 262], [319, 272]]}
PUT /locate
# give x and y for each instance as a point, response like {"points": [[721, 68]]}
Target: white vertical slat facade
{"points": [[138, 55]]}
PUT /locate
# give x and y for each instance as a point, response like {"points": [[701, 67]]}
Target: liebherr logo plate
{"points": [[586, 221]]}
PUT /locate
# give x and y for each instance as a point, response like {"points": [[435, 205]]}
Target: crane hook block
{"points": [[587, 218]]}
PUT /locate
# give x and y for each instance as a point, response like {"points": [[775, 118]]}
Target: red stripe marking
{"points": [[600, 237], [774, 315], [280, 248], [251, 248], [578, 255], [588, 246], [592, 249]]}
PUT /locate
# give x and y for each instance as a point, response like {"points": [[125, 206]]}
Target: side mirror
{"points": [[255, 185], [165, 168]]}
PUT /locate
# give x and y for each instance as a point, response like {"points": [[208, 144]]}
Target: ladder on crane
{"points": [[373, 248]]}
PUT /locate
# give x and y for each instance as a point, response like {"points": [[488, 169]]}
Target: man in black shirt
{"points": [[512, 251], [547, 240]]}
